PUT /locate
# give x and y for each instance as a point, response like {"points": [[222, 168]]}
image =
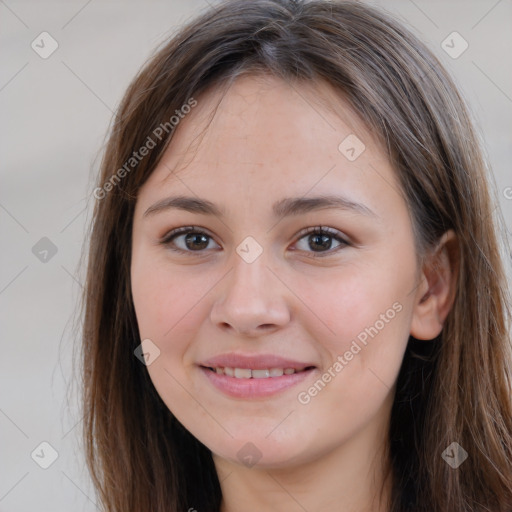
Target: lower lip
{"points": [[254, 388]]}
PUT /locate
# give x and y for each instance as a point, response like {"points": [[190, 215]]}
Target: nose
{"points": [[252, 300]]}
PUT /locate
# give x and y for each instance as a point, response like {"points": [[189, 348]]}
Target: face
{"points": [[274, 342]]}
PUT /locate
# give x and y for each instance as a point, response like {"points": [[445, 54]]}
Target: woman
{"points": [[295, 299]]}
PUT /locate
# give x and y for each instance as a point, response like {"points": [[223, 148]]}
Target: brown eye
{"points": [[320, 240], [187, 239]]}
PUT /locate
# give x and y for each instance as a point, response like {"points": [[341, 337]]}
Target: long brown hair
{"points": [[456, 388]]}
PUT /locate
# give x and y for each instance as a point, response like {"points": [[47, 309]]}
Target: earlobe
{"points": [[436, 294]]}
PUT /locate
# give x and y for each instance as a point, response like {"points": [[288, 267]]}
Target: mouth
{"points": [[258, 378]]}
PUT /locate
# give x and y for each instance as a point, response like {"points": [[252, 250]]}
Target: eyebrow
{"points": [[282, 208]]}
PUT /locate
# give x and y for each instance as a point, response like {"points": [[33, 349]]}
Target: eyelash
{"points": [[318, 230]]}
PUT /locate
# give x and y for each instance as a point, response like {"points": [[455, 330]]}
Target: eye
{"points": [[192, 239], [321, 237]]}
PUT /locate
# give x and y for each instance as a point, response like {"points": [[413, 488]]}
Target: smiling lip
{"points": [[254, 387]]}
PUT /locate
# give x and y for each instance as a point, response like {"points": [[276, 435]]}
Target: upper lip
{"points": [[254, 362]]}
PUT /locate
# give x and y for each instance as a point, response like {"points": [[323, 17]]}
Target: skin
{"points": [[268, 141]]}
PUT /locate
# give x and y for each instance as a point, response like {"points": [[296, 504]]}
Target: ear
{"points": [[436, 293]]}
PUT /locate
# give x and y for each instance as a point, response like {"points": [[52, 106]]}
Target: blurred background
{"points": [[64, 68]]}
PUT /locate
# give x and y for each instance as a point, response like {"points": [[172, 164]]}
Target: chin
{"points": [[260, 452]]}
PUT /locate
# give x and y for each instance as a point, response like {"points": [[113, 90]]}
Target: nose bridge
{"points": [[250, 284], [251, 296], [251, 275], [250, 267]]}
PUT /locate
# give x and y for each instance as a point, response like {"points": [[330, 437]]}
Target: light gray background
{"points": [[55, 114]]}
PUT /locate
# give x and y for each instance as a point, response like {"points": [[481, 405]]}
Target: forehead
{"points": [[265, 116], [263, 138]]}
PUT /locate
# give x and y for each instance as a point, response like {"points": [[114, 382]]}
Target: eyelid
{"points": [[323, 230], [181, 230]]}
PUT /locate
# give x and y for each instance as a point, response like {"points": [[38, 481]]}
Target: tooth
{"points": [[260, 374], [247, 373], [243, 373]]}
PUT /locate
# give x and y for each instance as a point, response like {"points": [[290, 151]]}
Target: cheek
{"points": [[370, 317], [361, 324], [167, 302], [355, 302], [169, 309]]}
